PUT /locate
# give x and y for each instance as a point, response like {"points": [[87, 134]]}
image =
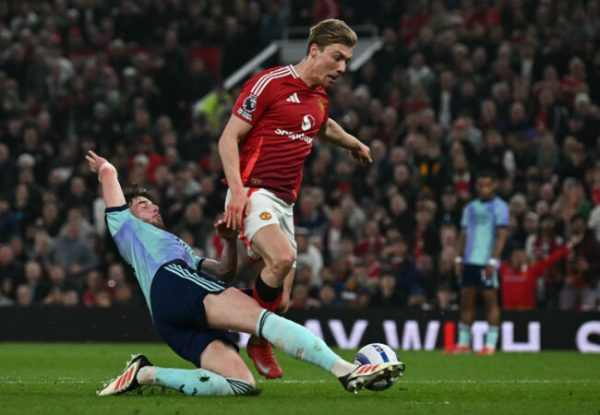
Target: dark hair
{"points": [[487, 173], [576, 217], [136, 191]]}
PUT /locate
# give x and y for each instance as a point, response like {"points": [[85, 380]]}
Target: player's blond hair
{"points": [[330, 31]]}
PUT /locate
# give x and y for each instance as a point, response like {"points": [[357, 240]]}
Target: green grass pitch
{"points": [[43, 378]]}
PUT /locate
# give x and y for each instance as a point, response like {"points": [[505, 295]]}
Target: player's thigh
{"points": [[222, 358], [468, 296], [490, 298], [272, 244], [232, 310]]}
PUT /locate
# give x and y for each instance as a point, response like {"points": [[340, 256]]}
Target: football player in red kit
{"points": [[275, 119]]}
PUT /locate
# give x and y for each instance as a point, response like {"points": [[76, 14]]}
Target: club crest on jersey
{"points": [[308, 122], [250, 103], [265, 215]]}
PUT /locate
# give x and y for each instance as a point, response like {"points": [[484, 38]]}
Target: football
{"points": [[376, 353]]}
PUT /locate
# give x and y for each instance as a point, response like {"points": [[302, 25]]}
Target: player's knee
{"points": [[282, 264]]}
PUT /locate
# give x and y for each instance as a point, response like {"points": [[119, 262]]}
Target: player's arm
{"points": [[334, 133], [501, 222], [460, 248], [501, 237], [494, 262], [234, 132], [225, 268], [108, 177]]}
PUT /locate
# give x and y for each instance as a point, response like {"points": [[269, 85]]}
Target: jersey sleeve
{"points": [[197, 259], [464, 222], [116, 217], [501, 214], [121, 225], [253, 99]]}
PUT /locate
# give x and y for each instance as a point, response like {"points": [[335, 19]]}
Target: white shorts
{"points": [[265, 209]]}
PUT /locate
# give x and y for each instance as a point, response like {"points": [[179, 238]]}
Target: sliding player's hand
{"points": [[95, 161], [224, 231]]}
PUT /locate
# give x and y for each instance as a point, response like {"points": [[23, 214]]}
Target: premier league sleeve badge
{"points": [[250, 103]]}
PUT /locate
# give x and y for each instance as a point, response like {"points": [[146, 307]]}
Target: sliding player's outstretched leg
{"points": [[195, 382], [301, 343]]}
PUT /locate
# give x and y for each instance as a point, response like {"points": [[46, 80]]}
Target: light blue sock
{"points": [[491, 337], [200, 382], [301, 343], [464, 334]]}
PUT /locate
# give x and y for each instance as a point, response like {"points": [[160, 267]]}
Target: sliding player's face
{"points": [[142, 208], [486, 188], [331, 62]]}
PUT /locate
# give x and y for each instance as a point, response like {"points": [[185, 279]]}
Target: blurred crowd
{"points": [[510, 85]]}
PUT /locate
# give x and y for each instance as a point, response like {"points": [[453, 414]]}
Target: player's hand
{"points": [[95, 161], [458, 269], [489, 271], [236, 209], [362, 154], [224, 231]]}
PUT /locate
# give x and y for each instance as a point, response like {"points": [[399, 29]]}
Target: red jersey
{"points": [[285, 114], [518, 285]]}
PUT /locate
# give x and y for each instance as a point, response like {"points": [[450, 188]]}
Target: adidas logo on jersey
{"points": [[293, 98]]}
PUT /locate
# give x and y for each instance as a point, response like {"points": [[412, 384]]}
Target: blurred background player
{"points": [[481, 241], [276, 117], [192, 312]]}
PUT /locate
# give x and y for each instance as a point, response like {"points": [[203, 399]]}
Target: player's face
{"points": [[486, 187], [142, 208], [331, 62]]}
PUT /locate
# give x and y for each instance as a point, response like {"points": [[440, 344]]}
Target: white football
{"points": [[375, 353]]}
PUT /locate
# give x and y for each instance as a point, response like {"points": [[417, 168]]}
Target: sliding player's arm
{"points": [[108, 177], [225, 268]]}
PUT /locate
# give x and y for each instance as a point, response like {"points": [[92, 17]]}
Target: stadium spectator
{"points": [[24, 297], [387, 294], [328, 296], [61, 291], [519, 278], [310, 256], [73, 252], [36, 281], [8, 221], [11, 271], [583, 270], [396, 259]]}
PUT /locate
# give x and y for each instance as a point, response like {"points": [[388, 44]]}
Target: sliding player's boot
{"points": [[127, 380]]}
